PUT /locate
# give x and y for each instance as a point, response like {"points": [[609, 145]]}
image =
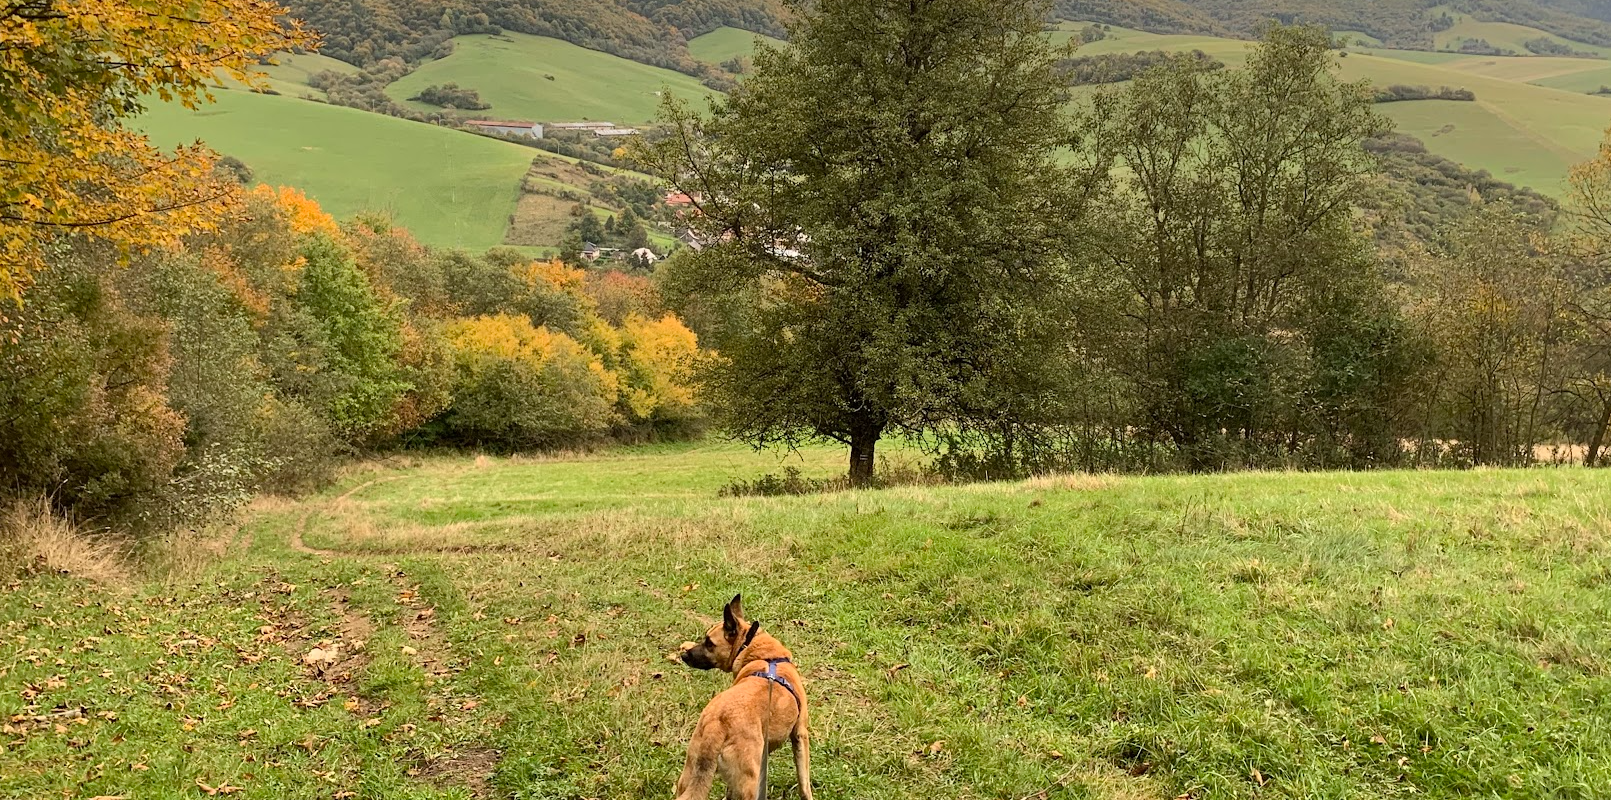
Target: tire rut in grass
{"points": [[471, 768]]}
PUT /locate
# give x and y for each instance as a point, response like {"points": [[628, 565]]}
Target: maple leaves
{"points": [[70, 72]]}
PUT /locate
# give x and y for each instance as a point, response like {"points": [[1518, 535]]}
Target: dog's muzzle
{"points": [[698, 659]]}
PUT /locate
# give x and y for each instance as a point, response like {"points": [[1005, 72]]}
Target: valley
{"points": [[1533, 118]]}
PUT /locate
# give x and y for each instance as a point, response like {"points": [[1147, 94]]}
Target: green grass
{"points": [[1505, 36], [512, 70], [1429, 635], [1523, 132], [1528, 135], [448, 187], [727, 43]]}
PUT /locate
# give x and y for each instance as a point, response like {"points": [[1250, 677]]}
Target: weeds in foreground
{"points": [[34, 539]]}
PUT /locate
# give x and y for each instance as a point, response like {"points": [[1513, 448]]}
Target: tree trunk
{"points": [[1592, 460], [862, 444]]}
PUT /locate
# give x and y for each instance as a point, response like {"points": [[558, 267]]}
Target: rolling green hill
{"points": [[724, 44], [547, 80], [1505, 36], [448, 187], [1531, 123]]}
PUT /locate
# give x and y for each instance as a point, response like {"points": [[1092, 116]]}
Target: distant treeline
{"points": [[1120, 67], [1546, 46], [1397, 93], [1426, 192], [1400, 23], [451, 95]]}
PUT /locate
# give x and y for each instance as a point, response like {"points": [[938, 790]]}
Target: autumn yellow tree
{"points": [[71, 71]]}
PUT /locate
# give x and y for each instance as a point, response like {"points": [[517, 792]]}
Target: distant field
{"points": [[1523, 133], [290, 72], [547, 80], [450, 188], [459, 628], [723, 44], [1505, 36], [1528, 135]]}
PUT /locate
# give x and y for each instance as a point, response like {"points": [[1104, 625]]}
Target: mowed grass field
{"points": [[727, 43], [499, 628], [548, 80], [448, 187]]}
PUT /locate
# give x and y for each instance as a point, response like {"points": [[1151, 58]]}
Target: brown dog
{"points": [[740, 727]]}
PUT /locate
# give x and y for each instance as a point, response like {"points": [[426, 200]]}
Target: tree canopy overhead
{"points": [[888, 220], [70, 72]]}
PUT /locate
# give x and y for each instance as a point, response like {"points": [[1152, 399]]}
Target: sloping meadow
{"points": [[1273, 635]]}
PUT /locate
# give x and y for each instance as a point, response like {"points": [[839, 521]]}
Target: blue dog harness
{"points": [[772, 675]]}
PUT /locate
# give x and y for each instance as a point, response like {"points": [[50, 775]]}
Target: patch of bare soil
{"points": [[470, 768]]}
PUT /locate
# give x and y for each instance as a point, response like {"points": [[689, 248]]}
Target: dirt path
{"points": [[301, 546]]}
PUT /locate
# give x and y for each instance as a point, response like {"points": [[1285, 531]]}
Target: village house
{"points": [[600, 129], [530, 130]]}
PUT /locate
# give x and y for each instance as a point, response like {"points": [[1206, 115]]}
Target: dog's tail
{"points": [[699, 771]]}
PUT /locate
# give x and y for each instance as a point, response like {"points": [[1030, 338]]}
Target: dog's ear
{"points": [[731, 615]]}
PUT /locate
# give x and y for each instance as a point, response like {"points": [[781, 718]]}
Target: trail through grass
{"points": [[1271, 635]]}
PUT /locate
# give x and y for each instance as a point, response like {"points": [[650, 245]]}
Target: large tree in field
{"points": [[887, 222], [70, 72]]}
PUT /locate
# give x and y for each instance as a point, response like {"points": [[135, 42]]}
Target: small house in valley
{"points": [[530, 130]]}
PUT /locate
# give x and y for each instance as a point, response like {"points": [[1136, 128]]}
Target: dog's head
{"points": [[722, 642]]}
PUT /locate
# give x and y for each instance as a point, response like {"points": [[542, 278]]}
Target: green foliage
{"points": [[451, 96], [1121, 67], [885, 217], [343, 343], [1234, 248], [523, 387], [648, 31], [1399, 23], [1491, 297], [82, 382], [1398, 93]]}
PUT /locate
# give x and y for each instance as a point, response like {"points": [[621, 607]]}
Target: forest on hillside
{"points": [[648, 31], [1401, 23]]}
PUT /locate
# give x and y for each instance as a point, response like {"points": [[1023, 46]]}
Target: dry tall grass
{"points": [[34, 539]]}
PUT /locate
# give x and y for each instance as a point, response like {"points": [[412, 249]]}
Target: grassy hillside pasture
{"points": [[1526, 70], [512, 71], [1413, 56], [1586, 81], [1505, 36], [1528, 135], [724, 44], [289, 73], [449, 188], [1524, 133], [499, 628]]}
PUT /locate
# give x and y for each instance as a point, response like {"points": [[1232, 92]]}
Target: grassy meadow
{"points": [[726, 43], [447, 187], [498, 628], [548, 80]]}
